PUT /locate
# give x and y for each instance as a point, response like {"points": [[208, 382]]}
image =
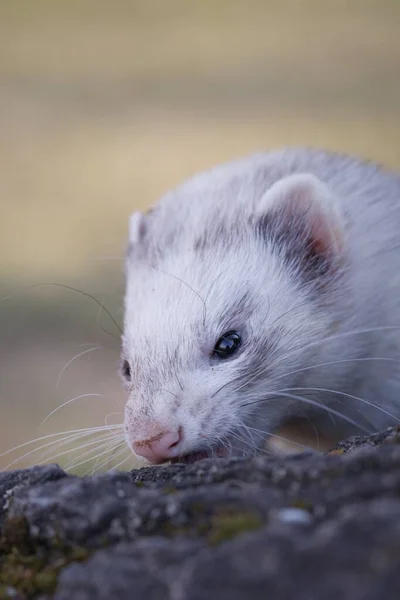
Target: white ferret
{"points": [[262, 291]]}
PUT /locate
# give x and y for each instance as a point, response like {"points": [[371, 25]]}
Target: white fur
{"points": [[178, 303]]}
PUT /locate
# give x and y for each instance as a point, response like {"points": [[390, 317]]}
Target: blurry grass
{"points": [[105, 105]]}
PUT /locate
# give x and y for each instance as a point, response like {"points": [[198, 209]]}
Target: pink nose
{"points": [[159, 448]]}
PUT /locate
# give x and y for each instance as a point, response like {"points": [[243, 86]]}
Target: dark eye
{"points": [[126, 370], [227, 344]]}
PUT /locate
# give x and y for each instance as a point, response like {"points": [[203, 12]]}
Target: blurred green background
{"points": [[104, 105]]}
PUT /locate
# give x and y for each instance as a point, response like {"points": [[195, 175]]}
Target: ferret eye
{"points": [[126, 370], [227, 345]]}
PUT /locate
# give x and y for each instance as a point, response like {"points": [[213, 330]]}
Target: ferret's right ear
{"points": [[299, 216], [137, 228]]}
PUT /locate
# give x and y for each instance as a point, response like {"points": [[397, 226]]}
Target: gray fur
{"points": [[210, 258]]}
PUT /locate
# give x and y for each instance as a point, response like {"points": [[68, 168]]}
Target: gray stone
{"points": [[14, 480], [304, 527]]}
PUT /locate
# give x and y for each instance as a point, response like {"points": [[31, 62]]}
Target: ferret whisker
{"points": [[276, 452], [179, 381], [245, 435], [109, 444], [188, 286], [67, 287], [212, 286], [252, 446], [101, 305], [101, 465], [168, 392], [110, 451], [73, 449], [256, 376], [52, 443], [69, 402], [336, 362], [56, 445], [226, 384], [100, 325], [83, 432], [363, 400], [278, 437], [92, 454], [211, 448], [315, 431], [295, 306], [277, 378], [225, 443], [111, 415], [226, 440], [337, 336], [236, 435], [106, 447], [121, 462], [327, 339], [265, 450], [247, 442], [52, 452], [65, 367], [328, 409], [76, 463]]}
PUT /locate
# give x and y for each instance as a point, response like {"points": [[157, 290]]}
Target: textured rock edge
{"points": [[57, 529]]}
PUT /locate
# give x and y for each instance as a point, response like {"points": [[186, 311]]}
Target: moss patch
{"points": [[303, 504], [169, 490], [15, 534], [29, 570], [221, 526], [226, 526], [34, 574]]}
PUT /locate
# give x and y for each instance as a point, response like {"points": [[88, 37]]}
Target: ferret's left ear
{"points": [[298, 214], [137, 228], [138, 233]]}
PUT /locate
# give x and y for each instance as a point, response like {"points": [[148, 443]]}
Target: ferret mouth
{"points": [[192, 457]]}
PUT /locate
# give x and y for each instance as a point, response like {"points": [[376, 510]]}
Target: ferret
{"points": [[262, 292]]}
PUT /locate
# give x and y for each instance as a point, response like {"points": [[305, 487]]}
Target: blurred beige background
{"points": [[104, 105]]}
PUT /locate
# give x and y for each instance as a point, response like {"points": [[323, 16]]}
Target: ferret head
{"points": [[228, 280]]}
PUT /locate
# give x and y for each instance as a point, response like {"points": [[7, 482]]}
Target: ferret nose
{"points": [[159, 448]]}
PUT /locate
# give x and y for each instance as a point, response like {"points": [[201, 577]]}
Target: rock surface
{"points": [[308, 527]]}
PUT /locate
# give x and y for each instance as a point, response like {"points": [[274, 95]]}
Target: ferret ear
{"points": [[137, 228], [298, 213]]}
